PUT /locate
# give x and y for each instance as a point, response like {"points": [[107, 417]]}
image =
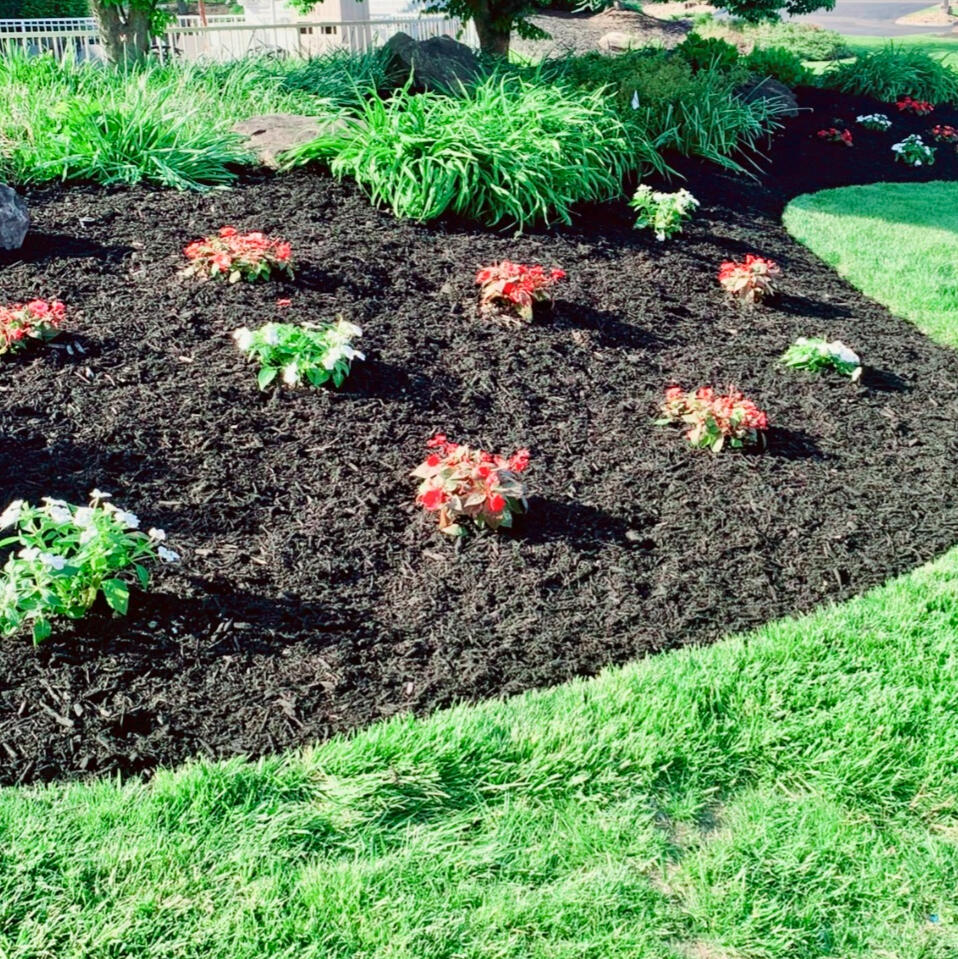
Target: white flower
{"points": [[11, 514], [52, 560], [130, 520], [843, 353], [157, 535], [348, 329], [29, 553], [83, 517], [244, 339], [59, 514], [635, 100], [290, 374], [167, 555], [270, 334], [88, 534], [98, 495]]}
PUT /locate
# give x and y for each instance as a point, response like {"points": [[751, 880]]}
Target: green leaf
{"points": [[41, 630], [117, 595], [143, 575], [266, 376]]}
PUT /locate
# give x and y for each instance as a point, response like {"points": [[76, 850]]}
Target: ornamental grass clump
{"points": [[663, 213], [301, 353], [715, 420], [234, 256], [62, 557], [750, 280], [461, 483], [507, 150], [877, 122], [22, 323], [913, 151], [508, 291], [894, 72], [816, 354]]}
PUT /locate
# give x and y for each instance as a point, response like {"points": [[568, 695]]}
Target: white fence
{"points": [[226, 37]]}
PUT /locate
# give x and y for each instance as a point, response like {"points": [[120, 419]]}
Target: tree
{"points": [[754, 11], [127, 28]]}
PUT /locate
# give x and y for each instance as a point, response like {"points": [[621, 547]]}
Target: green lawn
{"points": [[787, 794], [898, 243]]}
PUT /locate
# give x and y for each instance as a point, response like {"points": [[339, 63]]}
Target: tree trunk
{"points": [[493, 40], [124, 31]]}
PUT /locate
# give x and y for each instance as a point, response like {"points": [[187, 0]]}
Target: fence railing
{"points": [[226, 38]]}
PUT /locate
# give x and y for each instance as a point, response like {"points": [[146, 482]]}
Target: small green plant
{"points": [[234, 256], [715, 420], [663, 213], [816, 354], [62, 557], [21, 323], [296, 353], [893, 72], [779, 63], [701, 52], [913, 151], [878, 122]]}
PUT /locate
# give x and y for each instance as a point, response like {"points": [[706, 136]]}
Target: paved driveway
{"points": [[872, 17]]}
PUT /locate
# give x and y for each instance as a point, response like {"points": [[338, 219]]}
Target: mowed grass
{"points": [[787, 794], [897, 242]]}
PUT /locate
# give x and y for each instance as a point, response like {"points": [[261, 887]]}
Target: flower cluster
{"points": [[301, 352], [913, 151], [516, 287], [459, 482], [750, 280], [67, 556], [944, 133], [36, 320], [815, 354], [714, 419], [236, 256], [874, 121], [834, 135], [664, 213], [921, 108]]}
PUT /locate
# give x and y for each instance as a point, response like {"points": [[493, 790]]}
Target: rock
{"points": [[14, 219], [439, 63], [271, 134], [767, 88], [619, 42]]}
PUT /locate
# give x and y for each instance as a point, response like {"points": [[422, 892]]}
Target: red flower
{"points": [[433, 498], [496, 503], [433, 460], [284, 302], [228, 231], [438, 440]]}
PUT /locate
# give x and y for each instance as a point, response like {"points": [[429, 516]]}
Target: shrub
{"points": [[816, 354], [316, 354], [459, 483], [68, 555], [35, 320], [751, 280], [715, 419], [509, 150], [892, 72], [913, 151], [779, 63], [516, 287], [806, 41], [664, 213], [234, 256], [701, 52]]}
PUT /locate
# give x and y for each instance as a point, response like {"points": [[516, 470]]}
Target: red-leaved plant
{"points": [[921, 108], [36, 320], [945, 133], [715, 419], [751, 279], [834, 135], [235, 256], [514, 288], [459, 482]]}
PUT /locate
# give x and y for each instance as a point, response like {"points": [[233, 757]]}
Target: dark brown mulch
{"points": [[314, 597]]}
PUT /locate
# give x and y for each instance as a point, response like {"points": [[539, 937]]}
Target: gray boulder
{"points": [[272, 134], [14, 219], [439, 63], [767, 88], [618, 41]]}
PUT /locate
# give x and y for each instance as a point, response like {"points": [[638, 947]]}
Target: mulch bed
{"points": [[314, 597]]}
